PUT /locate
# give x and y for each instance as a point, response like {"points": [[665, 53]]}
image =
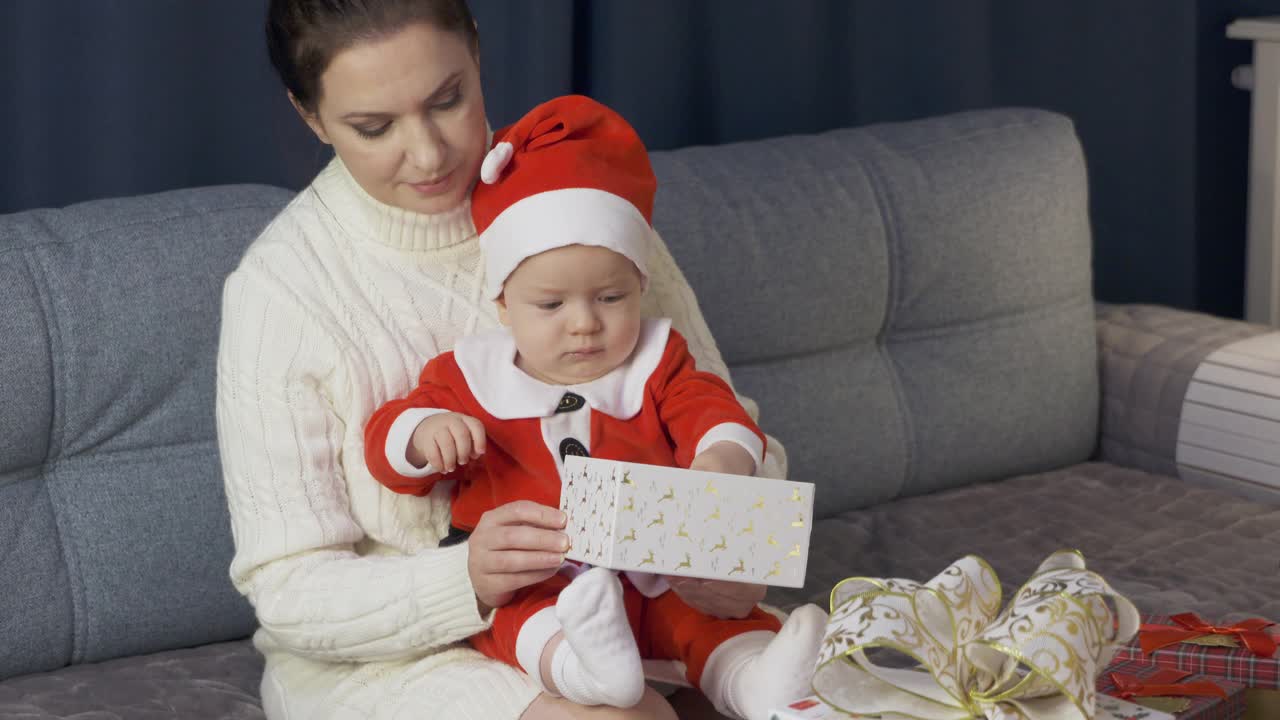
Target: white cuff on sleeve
{"points": [[734, 433], [398, 438]]}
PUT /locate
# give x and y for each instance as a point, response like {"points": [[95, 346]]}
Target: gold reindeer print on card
{"points": [[680, 522]]}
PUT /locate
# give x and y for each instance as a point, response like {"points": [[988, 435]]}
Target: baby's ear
{"points": [[501, 302]]}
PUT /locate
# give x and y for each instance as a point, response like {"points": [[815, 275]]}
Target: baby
{"points": [[564, 214]]}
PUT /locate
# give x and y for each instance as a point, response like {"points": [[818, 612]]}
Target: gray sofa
{"points": [[909, 303]]}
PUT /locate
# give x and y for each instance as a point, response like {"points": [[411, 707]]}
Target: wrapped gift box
{"points": [[1219, 656], [1113, 708], [1196, 707], [670, 521]]}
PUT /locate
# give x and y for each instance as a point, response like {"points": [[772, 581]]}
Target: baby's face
{"points": [[574, 312]]}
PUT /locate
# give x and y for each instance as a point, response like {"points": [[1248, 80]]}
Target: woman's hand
{"points": [[719, 598], [446, 441], [512, 547]]}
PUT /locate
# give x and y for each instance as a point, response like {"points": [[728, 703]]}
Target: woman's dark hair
{"points": [[303, 36]]}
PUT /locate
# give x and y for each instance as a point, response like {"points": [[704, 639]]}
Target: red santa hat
{"points": [[571, 172]]}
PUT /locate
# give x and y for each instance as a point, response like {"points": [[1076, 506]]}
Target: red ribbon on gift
{"points": [[1163, 683], [1190, 626]]}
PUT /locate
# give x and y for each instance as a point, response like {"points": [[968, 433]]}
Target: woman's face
{"points": [[406, 115]]}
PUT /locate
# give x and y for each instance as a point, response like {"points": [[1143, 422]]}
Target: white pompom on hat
{"points": [[570, 172]]}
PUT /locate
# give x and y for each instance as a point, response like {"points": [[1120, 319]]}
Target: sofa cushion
{"points": [[1167, 545], [911, 304], [214, 681], [111, 508]]}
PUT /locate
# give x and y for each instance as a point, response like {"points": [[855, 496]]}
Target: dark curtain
{"points": [[117, 97]]}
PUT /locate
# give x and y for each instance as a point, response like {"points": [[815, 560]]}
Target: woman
{"points": [[370, 271]]}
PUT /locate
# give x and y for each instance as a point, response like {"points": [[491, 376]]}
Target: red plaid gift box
{"points": [[1200, 707], [1235, 664]]}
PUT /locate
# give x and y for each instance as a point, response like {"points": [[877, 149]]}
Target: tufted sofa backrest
{"points": [[911, 304], [114, 537]]}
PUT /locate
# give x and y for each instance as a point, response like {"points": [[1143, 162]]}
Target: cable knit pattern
{"points": [[333, 311]]}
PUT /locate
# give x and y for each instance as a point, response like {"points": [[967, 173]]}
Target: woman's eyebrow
{"points": [[445, 86]]}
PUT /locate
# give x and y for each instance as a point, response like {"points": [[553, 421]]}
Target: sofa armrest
{"points": [[1147, 358]]}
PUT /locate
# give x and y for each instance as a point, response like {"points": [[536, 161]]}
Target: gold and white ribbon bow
{"points": [[1037, 660]]}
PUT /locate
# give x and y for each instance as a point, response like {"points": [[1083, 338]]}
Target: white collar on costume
{"points": [[487, 361]]}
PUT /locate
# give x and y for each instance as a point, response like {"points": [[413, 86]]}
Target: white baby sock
{"points": [[598, 663], [531, 642], [750, 674]]}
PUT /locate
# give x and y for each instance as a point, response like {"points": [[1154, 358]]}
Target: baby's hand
{"points": [[448, 440], [725, 457]]}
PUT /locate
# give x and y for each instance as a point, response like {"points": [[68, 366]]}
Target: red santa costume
{"points": [[656, 409], [570, 172]]}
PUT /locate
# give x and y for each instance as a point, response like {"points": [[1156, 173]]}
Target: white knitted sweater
{"points": [[332, 312]]}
